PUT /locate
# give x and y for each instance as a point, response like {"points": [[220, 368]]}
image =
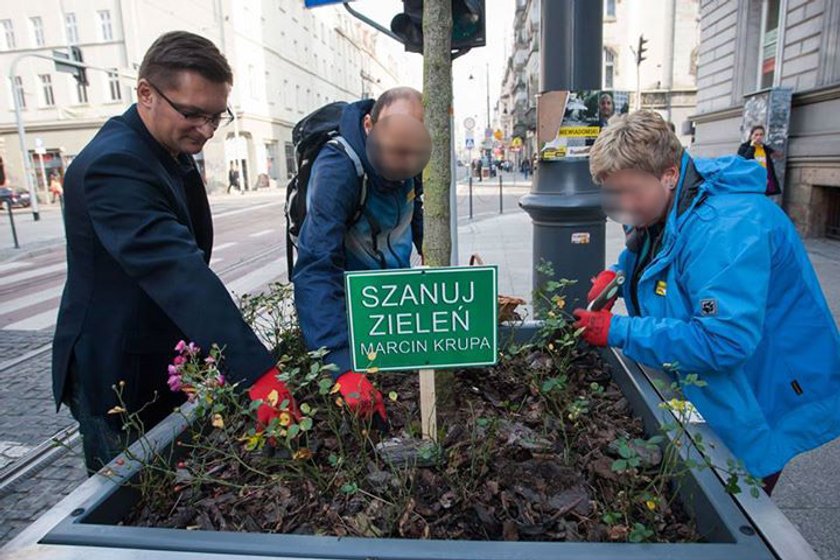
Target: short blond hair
{"points": [[641, 140]]}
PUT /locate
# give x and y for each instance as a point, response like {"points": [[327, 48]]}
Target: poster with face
{"points": [[568, 122]]}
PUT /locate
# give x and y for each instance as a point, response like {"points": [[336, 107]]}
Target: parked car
{"points": [[19, 198]]}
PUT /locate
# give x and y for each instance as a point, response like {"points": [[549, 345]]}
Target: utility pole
{"points": [[564, 204]]}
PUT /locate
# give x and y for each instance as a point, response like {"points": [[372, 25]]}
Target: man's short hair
{"points": [[391, 96], [178, 51], [642, 141]]}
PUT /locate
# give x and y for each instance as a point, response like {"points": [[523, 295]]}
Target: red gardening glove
{"points": [[361, 397], [596, 325], [263, 391], [598, 284]]}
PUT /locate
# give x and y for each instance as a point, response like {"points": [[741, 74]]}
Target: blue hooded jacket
{"points": [[331, 241], [731, 296]]}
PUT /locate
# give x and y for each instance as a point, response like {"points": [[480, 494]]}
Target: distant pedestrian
{"points": [[56, 190], [756, 149], [525, 167], [233, 178]]}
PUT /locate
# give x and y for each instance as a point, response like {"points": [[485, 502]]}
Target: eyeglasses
{"points": [[198, 118]]}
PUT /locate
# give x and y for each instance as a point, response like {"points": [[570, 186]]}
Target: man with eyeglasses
{"points": [[139, 239]]}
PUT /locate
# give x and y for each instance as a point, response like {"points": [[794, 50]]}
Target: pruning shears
{"points": [[608, 293]]}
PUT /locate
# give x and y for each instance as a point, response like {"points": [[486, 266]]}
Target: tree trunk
{"points": [[437, 100]]}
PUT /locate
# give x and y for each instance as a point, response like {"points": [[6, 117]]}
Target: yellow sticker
{"points": [[661, 287]]}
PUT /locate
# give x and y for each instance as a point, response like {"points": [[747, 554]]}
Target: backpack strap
{"points": [[375, 228], [348, 150]]}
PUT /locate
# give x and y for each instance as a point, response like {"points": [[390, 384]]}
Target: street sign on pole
{"points": [[470, 143], [422, 317]]}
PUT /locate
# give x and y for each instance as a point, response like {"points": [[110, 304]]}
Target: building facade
{"points": [[749, 46], [666, 80], [286, 60]]}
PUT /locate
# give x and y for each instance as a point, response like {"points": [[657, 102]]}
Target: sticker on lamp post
{"points": [[423, 318]]}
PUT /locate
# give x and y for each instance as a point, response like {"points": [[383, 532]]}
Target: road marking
{"points": [[28, 300], [247, 209], [261, 233], [216, 260], [34, 273], [13, 265], [35, 322], [257, 278], [223, 246]]}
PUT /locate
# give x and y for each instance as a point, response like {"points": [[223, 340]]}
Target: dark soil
{"points": [[517, 463]]}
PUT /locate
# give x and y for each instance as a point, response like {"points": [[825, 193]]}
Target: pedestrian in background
{"points": [[756, 149], [56, 190], [233, 178]]}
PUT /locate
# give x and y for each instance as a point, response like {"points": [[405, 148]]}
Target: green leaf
{"points": [[619, 465], [306, 423]]}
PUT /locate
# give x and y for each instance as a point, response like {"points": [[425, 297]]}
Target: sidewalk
{"points": [[808, 489]]}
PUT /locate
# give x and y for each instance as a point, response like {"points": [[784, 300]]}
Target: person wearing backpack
{"points": [[363, 211]]}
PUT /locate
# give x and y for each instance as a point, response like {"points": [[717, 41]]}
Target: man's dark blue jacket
{"points": [[139, 237], [331, 241]]}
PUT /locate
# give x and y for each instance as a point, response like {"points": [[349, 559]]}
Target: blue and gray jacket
{"points": [[725, 290], [336, 236]]}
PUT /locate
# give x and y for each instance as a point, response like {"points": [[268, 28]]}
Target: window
{"points": [[81, 92], [71, 28], [271, 159], [298, 100], [768, 43], [287, 95], [105, 28], [46, 83], [17, 91], [37, 30], [8, 33], [609, 68], [291, 165], [609, 8], [114, 85], [252, 81]]}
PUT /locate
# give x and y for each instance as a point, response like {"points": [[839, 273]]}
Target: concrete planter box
{"points": [[85, 525]]}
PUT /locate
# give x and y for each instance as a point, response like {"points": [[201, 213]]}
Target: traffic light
{"points": [[468, 25], [640, 52], [408, 25]]}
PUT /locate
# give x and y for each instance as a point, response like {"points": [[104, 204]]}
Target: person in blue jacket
{"points": [[718, 284], [385, 144]]}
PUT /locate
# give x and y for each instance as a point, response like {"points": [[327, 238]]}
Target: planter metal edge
{"points": [[65, 532]]}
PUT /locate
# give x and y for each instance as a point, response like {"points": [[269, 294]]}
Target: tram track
{"points": [[50, 450]]}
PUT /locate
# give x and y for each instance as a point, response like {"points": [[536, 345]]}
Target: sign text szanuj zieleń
{"points": [[422, 318]]}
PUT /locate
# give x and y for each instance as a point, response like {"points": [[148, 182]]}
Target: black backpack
{"points": [[309, 136]]}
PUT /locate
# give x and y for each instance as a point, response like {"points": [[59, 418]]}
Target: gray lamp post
{"points": [[564, 204]]}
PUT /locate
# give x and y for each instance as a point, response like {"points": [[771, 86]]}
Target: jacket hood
{"points": [[731, 175], [351, 129]]}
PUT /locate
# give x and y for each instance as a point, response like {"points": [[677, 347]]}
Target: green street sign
{"points": [[422, 318]]}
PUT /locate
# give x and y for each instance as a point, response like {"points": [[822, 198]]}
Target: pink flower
{"points": [[174, 370], [174, 383], [181, 346], [178, 360], [209, 360], [221, 379]]}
